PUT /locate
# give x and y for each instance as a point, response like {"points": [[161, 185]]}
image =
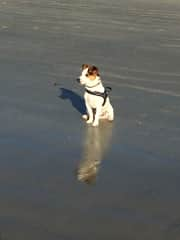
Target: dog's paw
{"points": [[95, 124], [85, 117], [89, 121], [110, 119]]}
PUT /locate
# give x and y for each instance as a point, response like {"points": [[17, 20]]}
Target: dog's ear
{"points": [[84, 66], [93, 70], [97, 71]]}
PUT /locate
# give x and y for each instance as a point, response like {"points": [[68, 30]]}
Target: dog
{"points": [[96, 97]]}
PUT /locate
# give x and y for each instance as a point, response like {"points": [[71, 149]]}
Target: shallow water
{"points": [[60, 179]]}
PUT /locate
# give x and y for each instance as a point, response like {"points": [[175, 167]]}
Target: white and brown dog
{"points": [[96, 96]]}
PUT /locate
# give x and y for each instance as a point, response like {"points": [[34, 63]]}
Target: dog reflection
{"points": [[96, 144]]}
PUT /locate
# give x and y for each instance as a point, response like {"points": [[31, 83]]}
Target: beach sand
{"points": [[131, 167]]}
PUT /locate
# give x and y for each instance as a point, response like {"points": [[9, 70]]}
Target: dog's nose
{"points": [[78, 80]]}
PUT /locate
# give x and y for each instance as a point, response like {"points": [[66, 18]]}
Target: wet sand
{"points": [[56, 182]]}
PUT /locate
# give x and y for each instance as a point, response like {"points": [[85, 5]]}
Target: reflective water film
{"points": [[96, 143], [61, 179]]}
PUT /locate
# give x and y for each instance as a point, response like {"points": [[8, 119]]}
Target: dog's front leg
{"points": [[90, 113], [97, 115]]}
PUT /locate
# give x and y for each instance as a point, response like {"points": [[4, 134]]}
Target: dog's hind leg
{"points": [[110, 113]]}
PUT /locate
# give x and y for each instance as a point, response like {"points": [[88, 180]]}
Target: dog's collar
{"points": [[93, 85]]}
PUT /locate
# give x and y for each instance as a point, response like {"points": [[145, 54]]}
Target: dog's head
{"points": [[88, 72]]}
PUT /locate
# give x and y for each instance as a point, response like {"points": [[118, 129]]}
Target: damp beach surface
{"points": [[61, 179]]}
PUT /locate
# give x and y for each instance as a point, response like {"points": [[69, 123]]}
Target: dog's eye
{"points": [[87, 74]]}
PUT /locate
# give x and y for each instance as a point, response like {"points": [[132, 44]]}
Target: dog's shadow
{"points": [[76, 100]]}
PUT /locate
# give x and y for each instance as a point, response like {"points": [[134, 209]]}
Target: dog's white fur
{"points": [[95, 102]]}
